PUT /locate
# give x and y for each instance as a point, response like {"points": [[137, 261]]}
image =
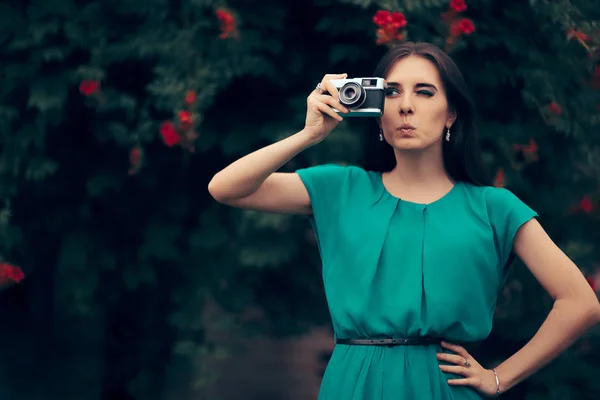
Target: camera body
{"points": [[364, 97]]}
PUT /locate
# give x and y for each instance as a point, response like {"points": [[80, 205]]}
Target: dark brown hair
{"points": [[462, 155]]}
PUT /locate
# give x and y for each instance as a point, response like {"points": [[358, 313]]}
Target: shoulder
{"points": [[337, 172], [490, 197], [502, 208], [336, 179]]}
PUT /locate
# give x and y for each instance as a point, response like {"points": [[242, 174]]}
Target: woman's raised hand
{"points": [[321, 119]]}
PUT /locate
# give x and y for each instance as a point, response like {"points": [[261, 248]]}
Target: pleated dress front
{"points": [[394, 268]]}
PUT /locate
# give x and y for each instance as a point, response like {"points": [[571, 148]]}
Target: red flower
{"points": [[592, 282], [555, 109], [389, 25], [530, 149], [169, 133], [228, 25], [398, 20], [225, 16], [382, 18], [572, 33], [185, 116], [190, 97], [466, 26], [390, 21], [185, 119], [455, 29], [458, 5], [499, 179], [89, 87], [383, 36], [586, 205], [10, 273], [135, 156]]}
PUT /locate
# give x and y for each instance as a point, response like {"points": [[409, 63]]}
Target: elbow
{"points": [[596, 313], [215, 191], [221, 191], [594, 307], [587, 308], [593, 311]]}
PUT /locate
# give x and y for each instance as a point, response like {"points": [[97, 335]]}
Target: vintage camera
{"points": [[364, 97]]}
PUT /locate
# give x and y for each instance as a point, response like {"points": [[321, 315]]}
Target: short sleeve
{"points": [[324, 184], [507, 214]]}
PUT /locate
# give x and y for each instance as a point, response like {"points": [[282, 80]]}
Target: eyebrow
{"points": [[418, 85]]}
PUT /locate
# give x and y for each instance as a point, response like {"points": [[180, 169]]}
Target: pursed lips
{"points": [[406, 130]]}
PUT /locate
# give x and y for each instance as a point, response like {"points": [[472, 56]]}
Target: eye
{"points": [[391, 91], [425, 93]]}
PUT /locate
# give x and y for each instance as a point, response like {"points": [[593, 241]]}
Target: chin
{"points": [[406, 144]]}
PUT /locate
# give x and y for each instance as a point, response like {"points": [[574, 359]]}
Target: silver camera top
{"points": [[367, 83]]}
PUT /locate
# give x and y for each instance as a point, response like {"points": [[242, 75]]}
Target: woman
{"points": [[414, 256]]}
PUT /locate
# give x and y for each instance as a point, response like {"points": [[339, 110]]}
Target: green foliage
{"points": [[152, 252]]}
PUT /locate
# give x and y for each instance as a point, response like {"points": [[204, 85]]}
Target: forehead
{"points": [[414, 69]]}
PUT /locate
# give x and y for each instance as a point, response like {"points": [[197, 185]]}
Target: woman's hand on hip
{"points": [[483, 380]]}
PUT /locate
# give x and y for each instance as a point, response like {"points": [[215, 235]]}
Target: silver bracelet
{"points": [[497, 382]]}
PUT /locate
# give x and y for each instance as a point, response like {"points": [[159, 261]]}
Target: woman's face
{"points": [[415, 96]]}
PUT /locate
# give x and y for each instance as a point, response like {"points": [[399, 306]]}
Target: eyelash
{"points": [[390, 91]]}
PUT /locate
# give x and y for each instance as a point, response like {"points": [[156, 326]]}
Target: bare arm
{"points": [[575, 310], [251, 182]]}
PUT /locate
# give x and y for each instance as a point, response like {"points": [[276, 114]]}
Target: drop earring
{"points": [[380, 135], [448, 135]]}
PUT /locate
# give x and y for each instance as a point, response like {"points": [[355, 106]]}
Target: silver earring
{"points": [[448, 135], [380, 135]]}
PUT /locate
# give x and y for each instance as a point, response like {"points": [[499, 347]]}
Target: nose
{"points": [[406, 107]]}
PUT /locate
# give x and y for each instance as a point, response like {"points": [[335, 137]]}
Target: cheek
{"points": [[437, 117], [440, 111], [385, 119]]}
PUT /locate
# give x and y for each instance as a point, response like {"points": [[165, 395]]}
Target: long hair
{"points": [[462, 154]]}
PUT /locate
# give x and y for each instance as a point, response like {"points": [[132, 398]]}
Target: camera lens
{"points": [[352, 95]]}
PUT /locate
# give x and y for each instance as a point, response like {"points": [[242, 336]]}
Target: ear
{"points": [[451, 118]]}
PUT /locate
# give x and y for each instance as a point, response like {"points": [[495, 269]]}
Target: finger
{"points": [[333, 103], [329, 87], [455, 369], [325, 109], [456, 348], [452, 358], [463, 382], [335, 76]]}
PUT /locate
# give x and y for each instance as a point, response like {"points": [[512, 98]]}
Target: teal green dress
{"points": [[394, 268]]}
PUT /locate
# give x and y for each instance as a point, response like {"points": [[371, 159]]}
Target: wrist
{"points": [[308, 137], [498, 386]]}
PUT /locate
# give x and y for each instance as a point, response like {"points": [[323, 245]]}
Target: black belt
{"points": [[414, 341]]}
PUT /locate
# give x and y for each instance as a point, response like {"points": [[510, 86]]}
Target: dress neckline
{"points": [[443, 197]]}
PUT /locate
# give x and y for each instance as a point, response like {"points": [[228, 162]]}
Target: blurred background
{"points": [[121, 279]]}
